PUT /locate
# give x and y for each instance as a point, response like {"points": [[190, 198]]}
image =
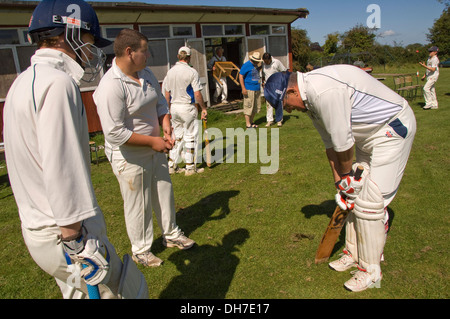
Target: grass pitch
{"points": [[257, 234]]}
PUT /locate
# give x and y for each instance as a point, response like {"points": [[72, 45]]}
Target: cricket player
{"points": [[182, 90], [47, 152], [431, 75], [354, 113], [132, 110]]}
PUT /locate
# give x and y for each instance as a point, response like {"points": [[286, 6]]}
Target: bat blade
{"points": [[333, 230], [207, 149], [331, 235]]}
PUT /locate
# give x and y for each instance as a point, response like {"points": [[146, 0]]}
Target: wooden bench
{"points": [[407, 85]]}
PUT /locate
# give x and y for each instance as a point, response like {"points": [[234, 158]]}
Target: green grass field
{"points": [[257, 233]]}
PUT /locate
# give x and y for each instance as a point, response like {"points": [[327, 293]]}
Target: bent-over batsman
{"points": [[354, 113]]}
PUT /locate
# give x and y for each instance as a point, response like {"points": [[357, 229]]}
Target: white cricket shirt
{"points": [[346, 104], [182, 81], [274, 67], [47, 143], [125, 106], [433, 62]]}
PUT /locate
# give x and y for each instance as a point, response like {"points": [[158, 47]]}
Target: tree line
{"points": [[359, 45]]}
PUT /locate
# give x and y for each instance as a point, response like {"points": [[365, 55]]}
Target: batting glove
{"points": [[92, 254], [348, 189]]}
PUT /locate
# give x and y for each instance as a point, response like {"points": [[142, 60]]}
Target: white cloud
{"points": [[388, 33]]}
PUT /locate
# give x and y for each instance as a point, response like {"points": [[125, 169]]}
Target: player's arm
{"points": [[340, 162]]}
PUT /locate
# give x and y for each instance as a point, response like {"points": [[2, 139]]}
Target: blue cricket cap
{"points": [[275, 88]]}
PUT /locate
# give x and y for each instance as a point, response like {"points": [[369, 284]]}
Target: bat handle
{"points": [[93, 291], [359, 171]]}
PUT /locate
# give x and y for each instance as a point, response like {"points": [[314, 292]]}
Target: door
{"points": [[198, 61]]}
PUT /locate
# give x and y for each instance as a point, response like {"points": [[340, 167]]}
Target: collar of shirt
{"points": [[60, 61], [301, 85], [118, 74]]}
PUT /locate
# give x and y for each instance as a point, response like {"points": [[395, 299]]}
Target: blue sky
{"points": [[402, 21]]}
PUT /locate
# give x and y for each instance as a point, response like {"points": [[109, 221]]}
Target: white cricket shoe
{"points": [[344, 263], [147, 259], [362, 280], [193, 171], [182, 242]]}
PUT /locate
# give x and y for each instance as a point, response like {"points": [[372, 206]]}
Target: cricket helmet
{"points": [[73, 17]]}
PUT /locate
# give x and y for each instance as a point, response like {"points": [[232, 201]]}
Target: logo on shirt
{"points": [[388, 133]]}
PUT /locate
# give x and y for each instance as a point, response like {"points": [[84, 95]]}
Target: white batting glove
{"points": [[348, 189], [93, 254]]}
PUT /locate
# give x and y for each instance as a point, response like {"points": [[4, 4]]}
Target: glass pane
{"points": [[278, 29], [111, 33], [233, 29], [156, 31], [158, 58], [259, 29], [8, 71], [212, 30], [9, 36], [182, 31]]}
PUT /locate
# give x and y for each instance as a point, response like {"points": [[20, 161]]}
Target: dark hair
{"points": [[266, 56], [128, 38]]}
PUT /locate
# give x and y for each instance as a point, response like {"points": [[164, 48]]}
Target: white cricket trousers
{"points": [[146, 185], [387, 152], [221, 89], [429, 92], [45, 249], [185, 128]]}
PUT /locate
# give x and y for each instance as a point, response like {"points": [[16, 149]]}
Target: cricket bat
{"points": [[208, 151], [333, 229]]}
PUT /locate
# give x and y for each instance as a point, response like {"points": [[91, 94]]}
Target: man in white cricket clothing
{"points": [[47, 152], [182, 90], [131, 109], [431, 75], [354, 112], [272, 66]]}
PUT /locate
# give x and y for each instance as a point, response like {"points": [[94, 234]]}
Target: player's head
{"points": [[74, 19], [184, 53], [281, 91]]}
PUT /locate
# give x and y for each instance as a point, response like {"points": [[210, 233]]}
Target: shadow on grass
{"points": [[206, 270]]}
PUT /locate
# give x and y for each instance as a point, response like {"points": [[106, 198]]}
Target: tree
{"points": [[301, 50], [440, 33], [358, 39], [331, 43]]}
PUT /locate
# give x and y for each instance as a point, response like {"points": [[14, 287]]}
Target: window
{"points": [[9, 36], [210, 30], [278, 29], [259, 29], [156, 31], [182, 31], [111, 32], [234, 29]]}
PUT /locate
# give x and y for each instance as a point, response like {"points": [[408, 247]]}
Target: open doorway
{"points": [[233, 51]]}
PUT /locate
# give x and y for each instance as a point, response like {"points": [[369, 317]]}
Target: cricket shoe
{"points": [[147, 259], [176, 170], [182, 242], [193, 171], [344, 263], [362, 280]]}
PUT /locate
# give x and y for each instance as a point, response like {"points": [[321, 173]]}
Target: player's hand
{"points": [[344, 202], [93, 254], [204, 115], [350, 186], [161, 144]]}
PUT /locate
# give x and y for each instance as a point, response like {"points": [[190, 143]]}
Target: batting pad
{"points": [[350, 236], [132, 282], [369, 215]]}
